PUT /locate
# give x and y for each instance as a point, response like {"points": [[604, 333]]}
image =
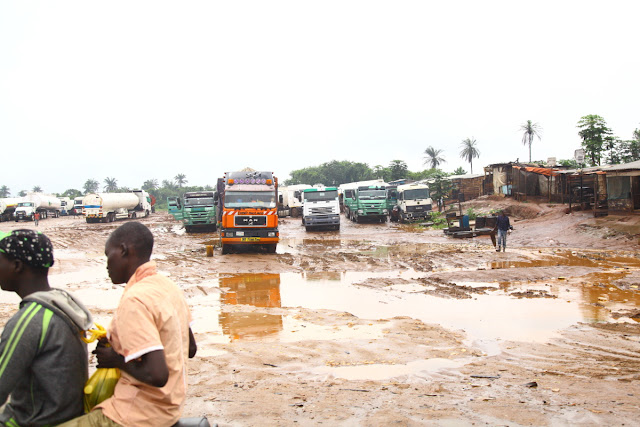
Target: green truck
{"points": [[365, 201], [196, 210]]}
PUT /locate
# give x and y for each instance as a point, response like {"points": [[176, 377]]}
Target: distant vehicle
{"points": [[365, 200], [77, 206], [196, 210], [320, 208], [108, 207], [414, 203], [46, 205], [248, 211], [66, 205], [290, 200], [8, 207]]}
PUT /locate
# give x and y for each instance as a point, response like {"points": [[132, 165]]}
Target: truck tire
{"points": [[271, 248], [294, 212], [225, 249], [337, 227], [307, 228]]}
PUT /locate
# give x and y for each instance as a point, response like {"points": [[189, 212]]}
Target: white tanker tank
{"points": [[108, 207], [44, 204]]}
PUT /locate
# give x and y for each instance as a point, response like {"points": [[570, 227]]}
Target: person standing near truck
{"points": [[36, 218]]}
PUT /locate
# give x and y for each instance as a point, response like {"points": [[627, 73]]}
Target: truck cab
{"points": [[248, 210], [199, 210], [25, 211], [414, 202], [320, 208], [366, 201]]}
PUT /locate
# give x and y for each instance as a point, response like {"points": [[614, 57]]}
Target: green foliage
{"points": [[570, 163], [439, 220], [22, 193], [332, 173], [425, 174], [90, 186], [433, 157], [37, 189], [71, 193], [594, 133], [150, 185], [4, 191], [459, 171], [472, 213], [440, 187], [398, 170], [181, 179], [469, 151], [530, 131], [110, 185]]}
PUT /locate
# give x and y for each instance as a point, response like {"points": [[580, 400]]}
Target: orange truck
{"points": [[248, 213]]}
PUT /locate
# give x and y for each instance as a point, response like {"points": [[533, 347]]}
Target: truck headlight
{"points": [[271, 234], [360, 211], [239, 233], [384, 211], [228, 233]]}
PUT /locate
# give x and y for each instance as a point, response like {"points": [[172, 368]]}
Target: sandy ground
{"points": [[380, 324]]}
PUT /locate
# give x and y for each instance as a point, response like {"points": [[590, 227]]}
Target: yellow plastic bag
{"points": [[102, 383]]}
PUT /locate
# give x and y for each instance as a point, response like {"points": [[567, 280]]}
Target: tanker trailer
{"points": [[45, 204], [8, 207], [107, 207]]}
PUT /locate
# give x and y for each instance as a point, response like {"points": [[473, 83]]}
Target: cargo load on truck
{"points": [[45, 204], [196, 210], [247, 210], [108, 207], [365, 200], [320, 208]]}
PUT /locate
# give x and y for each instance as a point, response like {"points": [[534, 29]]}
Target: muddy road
{"points": [[380, 324]]}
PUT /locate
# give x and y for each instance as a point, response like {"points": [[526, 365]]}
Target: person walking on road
{"points": [[503, 226], [36, 218]]}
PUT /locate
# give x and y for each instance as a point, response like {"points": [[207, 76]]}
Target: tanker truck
{"points": [[108, 207], [7, 207], [45, 204]]}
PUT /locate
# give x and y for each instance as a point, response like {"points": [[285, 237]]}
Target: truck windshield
{"points": [[320, 196], [419, 193], [198, 201], [249, 199], [373, 194], [29, 204]]}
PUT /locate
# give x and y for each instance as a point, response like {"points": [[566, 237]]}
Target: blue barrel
{"points": [[465, 221]]}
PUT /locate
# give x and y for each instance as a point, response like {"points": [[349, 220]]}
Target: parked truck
{"points": [[8, 207], [290, 200], [247, 210], [414, 203], [44, 204], [320, 208], [366, 199], [77, 206], [108, 207], [196, 210], [66, 205]]}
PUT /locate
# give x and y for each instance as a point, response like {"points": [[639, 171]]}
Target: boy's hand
{"points": [[107, 357]]}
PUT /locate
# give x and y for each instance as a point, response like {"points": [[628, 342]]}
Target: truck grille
{"points": [[419, 208], [250, 220], [323, 210]]}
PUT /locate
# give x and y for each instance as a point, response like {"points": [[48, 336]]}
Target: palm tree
{"points": [[181, 179], [469, 151], [150, 185], [531, 130], [91, 186], [22, 193], [4, 191], [37, 189], [433, 157], [111, 185]]}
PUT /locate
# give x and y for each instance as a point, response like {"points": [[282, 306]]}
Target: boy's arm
{"points": [[150, 368], [193, 347], [18, 347]]}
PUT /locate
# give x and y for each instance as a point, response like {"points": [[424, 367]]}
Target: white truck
{"points": [[44, 204], [320, 208], [77, 206], [289, 200], [66, 205], [7, 207], [414, 202], [108, 207]]}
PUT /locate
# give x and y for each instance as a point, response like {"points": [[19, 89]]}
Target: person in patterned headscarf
{"points": [[43, 361]]}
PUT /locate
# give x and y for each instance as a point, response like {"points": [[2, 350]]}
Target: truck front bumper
{"points": [[243, 236], [320, 220]]}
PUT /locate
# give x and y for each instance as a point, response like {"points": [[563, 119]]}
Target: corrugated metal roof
{"points": [[625, 166]]}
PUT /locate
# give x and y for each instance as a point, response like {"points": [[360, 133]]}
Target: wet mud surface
{"points": [[380, 324]]}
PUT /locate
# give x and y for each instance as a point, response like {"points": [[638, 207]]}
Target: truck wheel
{"points": [[187, 229], [337, 227], [133, 216], [271, 248], [225, 249], [294, 212], [307, 228]]}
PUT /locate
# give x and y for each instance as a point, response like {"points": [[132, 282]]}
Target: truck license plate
{"points": [[250, 239]]}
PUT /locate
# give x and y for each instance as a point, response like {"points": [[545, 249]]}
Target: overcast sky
{"points": [[138, 90]]}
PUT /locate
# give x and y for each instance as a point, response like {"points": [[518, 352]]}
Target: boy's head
{"points": [[23, 251], [127, 248]]}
